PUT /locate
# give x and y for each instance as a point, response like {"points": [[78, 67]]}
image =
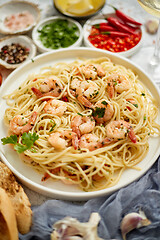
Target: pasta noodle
{"points": [[93, 119]]}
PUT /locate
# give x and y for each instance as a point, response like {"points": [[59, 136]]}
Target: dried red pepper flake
{"points": [[65, 99]]}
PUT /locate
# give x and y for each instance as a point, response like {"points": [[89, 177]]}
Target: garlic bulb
{"points": [[71, 229], [152, 26], [132, 221]]}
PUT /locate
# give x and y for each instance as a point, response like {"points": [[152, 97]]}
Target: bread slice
{"points": [[8, 224], [18, 198]]}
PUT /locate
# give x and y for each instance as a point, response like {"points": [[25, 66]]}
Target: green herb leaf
{"points": [[58, 34], [99, 112], [12, 139], [104, 103], [136, 105], [80, 114], [52, 128], [20, 148], [28, 141]]}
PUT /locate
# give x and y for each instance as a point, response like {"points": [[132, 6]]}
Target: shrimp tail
{"points": [[33, 118], [75, 142], [85, 101], [110, 89], [37, 92], [77, 131], [132, 135], [106, 141]]}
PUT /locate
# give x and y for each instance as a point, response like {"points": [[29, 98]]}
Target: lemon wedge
{"points": [[79, 7]]}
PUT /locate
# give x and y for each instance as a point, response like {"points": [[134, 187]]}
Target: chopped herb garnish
{"points": [[52, 128], [28, 141], [136, 105], [99, 112], [58, 34], [144, 118], [104, 103], [80, 114]]}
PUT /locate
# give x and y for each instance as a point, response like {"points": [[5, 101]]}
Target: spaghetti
{"points": [[93, 119]]}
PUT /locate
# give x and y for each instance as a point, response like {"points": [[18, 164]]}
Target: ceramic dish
{"points": [[36, 34], [57, 189], [23, 41], [79, 9], [14, 8], [99, 19]]}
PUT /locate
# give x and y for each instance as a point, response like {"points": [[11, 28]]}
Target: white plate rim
{"points": [[75, 195]]}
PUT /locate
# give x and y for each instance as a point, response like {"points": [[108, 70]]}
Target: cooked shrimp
{"points": [[75, 83], [59, 139], [103, 111], [92, 142], [83, 99], [82, 124], [49, 87], [20, 124], [86, 91], [91, 71], [120, 129], [55, 107], [118, 83], [89, 89]]}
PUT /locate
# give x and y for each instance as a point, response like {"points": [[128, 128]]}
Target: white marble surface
{"points": [[130, 7]]}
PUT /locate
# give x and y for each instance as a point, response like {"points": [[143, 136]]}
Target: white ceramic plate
{"points": [[101, 18], [30, 177], [15, 7]]}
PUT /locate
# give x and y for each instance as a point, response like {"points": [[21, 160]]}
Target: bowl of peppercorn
{"points": [[16, 50], [56, 33]]}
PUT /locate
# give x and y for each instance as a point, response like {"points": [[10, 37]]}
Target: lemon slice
{"points": [[79, 7]]}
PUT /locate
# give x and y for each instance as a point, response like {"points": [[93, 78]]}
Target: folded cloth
{"points": [[143, 194]]}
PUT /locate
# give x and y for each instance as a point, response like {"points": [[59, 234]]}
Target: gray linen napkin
{"points": [[143, 194]]}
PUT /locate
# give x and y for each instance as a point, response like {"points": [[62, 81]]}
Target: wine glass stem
{"points": [[155, 60]]}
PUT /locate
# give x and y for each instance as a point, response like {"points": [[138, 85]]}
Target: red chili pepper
{"points": [[125, 18], [1, 79], [116, 34], [65, 99], [104, 27], [120, 25]]}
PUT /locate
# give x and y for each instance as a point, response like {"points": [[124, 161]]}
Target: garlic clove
{"points": [[132, 221], [152, 25], [71, 229]]}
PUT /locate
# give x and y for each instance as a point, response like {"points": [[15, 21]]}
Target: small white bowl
{"points": [[22, 40], [73, 9], [15, 7], [41, 24], [99, 19]]}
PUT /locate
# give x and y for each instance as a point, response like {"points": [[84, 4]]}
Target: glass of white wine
{"points": [[153, 7]]}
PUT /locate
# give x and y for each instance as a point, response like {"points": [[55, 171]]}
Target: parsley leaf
{"points": [[20, 148], [12, 139], [28, 141], [52, 128], [99, 111]]}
